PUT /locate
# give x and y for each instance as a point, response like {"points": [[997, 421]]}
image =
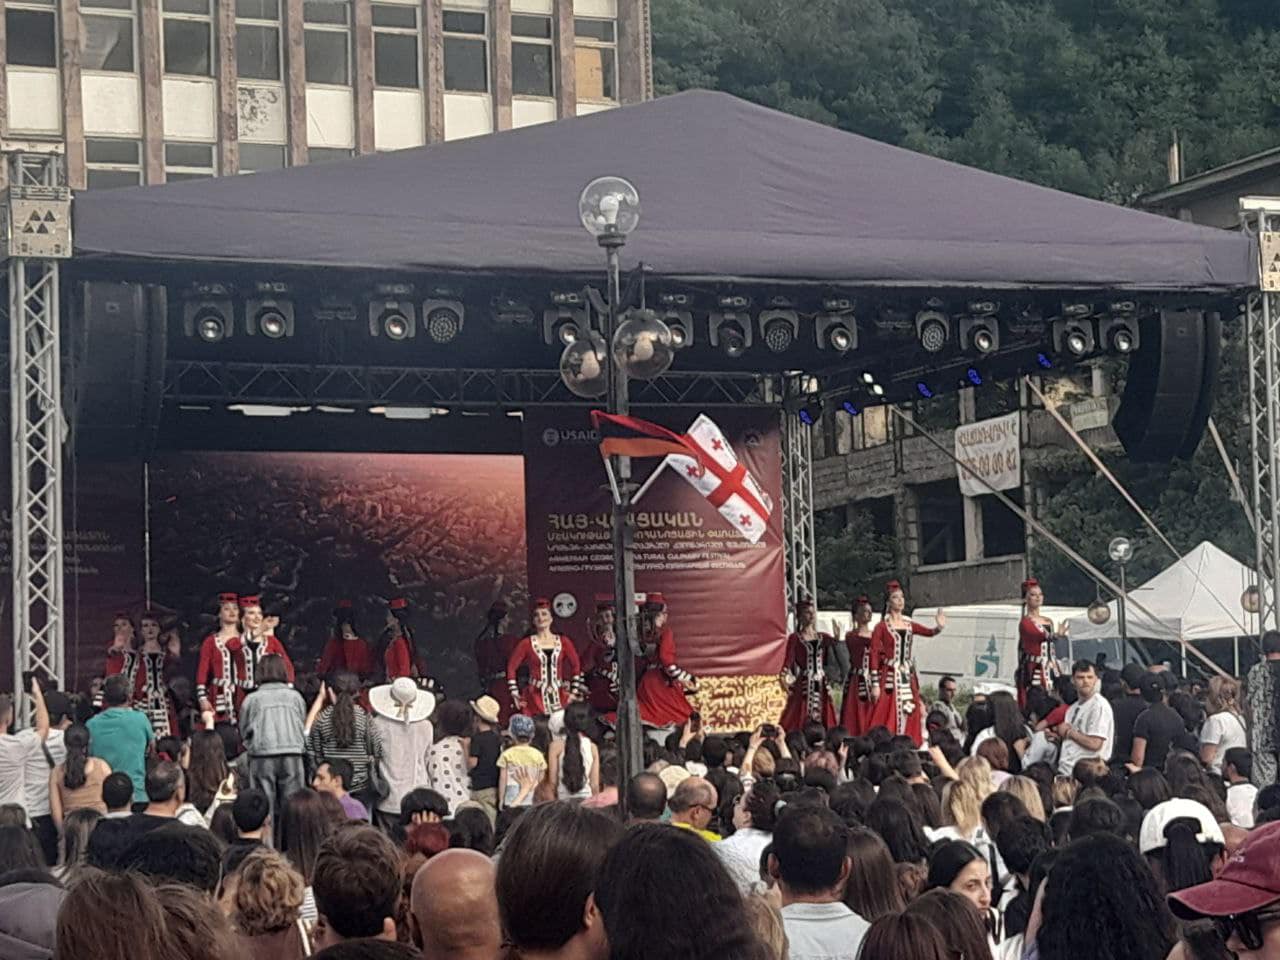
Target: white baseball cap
{"points": [[1151, 837]]}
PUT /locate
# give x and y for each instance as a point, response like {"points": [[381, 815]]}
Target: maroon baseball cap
{"points": [[1057, 715], [1249, 881]]}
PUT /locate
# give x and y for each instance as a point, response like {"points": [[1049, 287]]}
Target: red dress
{"points": [[864, 672], [217, 674], [660, 692], [899, 707], [555, 675], [809, 700], [600, 668], [249, 655], [151, 692], [398, 660], [343, 654], [1037, 665]]}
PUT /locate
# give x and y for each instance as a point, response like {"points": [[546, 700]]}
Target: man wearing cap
{"points": [[1125, 710], [400, 712], [482, 759], [1089, 729], [1243, 900], [1157, 727], [216, 674]]}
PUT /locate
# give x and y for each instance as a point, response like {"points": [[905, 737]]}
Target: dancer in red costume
{"points": [[900, 707], [151, 675], [493, 649], [345, 649], [122, 656], [555, 673], [217, 672], [1037, 665], [663, 685], [862, 689], [257, 641], [599, 660], [401, 656], [804, 673]]}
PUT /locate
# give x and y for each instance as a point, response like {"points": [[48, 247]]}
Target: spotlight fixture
{"points": [[1119, 334], [981, 334], [680, 323], [270, 313], [442, 319], [392, 313], [779, 329], [876, 390], [1073, 337], [564, 324], [924, 390], [208, 313], [810, 413], [850, 408], [730, 328], [933, 329], [836, 331], [868, 377]]}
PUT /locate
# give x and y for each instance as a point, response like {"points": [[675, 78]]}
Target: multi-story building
{"points": [[153, 91]]}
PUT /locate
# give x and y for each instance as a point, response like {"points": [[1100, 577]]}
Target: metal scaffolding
{"points": [[37, 234], [797, 516]]}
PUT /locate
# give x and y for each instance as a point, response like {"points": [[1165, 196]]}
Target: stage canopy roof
{"points": [[729, 190]]}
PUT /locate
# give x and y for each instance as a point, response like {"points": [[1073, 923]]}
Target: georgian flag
{"points": [[725, 482]]}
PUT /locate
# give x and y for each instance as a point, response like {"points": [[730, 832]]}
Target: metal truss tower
{"points": [[797, 492]]}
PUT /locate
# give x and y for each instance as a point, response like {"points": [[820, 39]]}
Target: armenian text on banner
{"points": [[990, 449]]}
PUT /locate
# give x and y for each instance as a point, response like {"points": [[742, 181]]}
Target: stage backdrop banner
{"points": [[726, 595]]}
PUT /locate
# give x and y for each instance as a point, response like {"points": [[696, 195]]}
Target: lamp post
{"points": [[1121, 552], [638, 347]]}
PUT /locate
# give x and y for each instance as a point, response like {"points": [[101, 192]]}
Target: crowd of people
{"points": [[1101, 813]]}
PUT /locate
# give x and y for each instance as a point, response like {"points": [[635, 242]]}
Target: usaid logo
{"points": [[552, 437]]}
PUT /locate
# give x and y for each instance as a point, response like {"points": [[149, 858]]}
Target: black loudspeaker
{"points": [[117, 371], [1168, 395]]}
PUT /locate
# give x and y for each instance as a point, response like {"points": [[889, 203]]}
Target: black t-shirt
{"points": [[485, 747], [1125, 711], [1160, 725]]}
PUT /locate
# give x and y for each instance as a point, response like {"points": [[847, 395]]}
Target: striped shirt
{"points": [[323, 746]]}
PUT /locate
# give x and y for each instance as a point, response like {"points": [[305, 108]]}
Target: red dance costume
{"points": [[492, 653], [398, 660], [600, 667], [250, 654], [809, 700], [217, 675], [660, 692], [555, 676], [864, 674], [1037, 665], [151, 692], [899, 707]]}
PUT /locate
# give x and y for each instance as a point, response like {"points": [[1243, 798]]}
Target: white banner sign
{"points": [[993, 450]]}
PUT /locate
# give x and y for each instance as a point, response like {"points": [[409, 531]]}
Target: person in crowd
{"points": [[121, 736], [693, 806], [266, 908], [962, 868], [804, 672], [862, 687], [646, 798], [551, 659], [574, 760], [1007, 728], [134, 919], [483, 752], [447, 759], [521, 767], [217, 674], [900, 935], [1148, 787], [73, 845], [900, 708], [36, 796], [402, 719], [754, 817], [471, 829], [356, 886], [210, 779], [117, 796], [1019, 843], [900, 831], [1089, 728], [607, 796], [333, 777], [422, 806], [1223, 728], [251, 812], [644, 921], [366, 949], [871, 890], [1037, 659], [1156, 728], [454, 907], [946, 705], [1125, 710], [111, 839], [1183, 844], [809, 859], [563, 846], [76, 783], [1095, 815], [1262, 689], [309, 818], [272, 718], [1101, 900], [20, 849], [17, 749], [954, 915], [1237, 769], [1027, 793], [343, 730], [427, 839], [177, 853], [29, 904], [1243, 900]]}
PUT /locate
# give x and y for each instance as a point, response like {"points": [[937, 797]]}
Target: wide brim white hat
{"points": [[402, 699], [1151, 835]]}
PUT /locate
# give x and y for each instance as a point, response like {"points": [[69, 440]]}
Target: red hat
{"points": [[345, 605], [252, 600], [228, 597], [604, 601], [891, 586], [398, 603], [1028, 584], [1249, 881], [862, 598], [1057, 715], [539, 603], [121, 615]]}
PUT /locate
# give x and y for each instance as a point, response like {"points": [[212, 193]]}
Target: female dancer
{"points": [[899, 707], [804, 673], [400, 656], [345, 649], [661, 690], [555, 673], [862, 689], [599, 662], [1037, 665], [218, 671]]}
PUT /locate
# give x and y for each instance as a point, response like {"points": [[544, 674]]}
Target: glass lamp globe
{"points": [[1251, 600], [643, 345], [609, 205], [1099, 613], [584, 366]]}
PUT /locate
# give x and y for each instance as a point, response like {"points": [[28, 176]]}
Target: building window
{"points": [[328, 41], [466, 52], [106, 35], [112, 163], [395, 46], [327, 154], [596, 59], [188, 161], [31, 35], [532, 57], [188, 38], [258, 39], [261, 156]]}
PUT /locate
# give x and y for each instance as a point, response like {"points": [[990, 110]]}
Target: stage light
{"points": [[392, 313], [1043, 360], [973, 376], [1119, 333], [642, 345], [680, 323], [836, 331], [850, 408], [980, 334], [270, 313], [924, 390], [443, 319], [272, 324], [779, 329], [877, 390], [609, 205], [393, 323], [1074, 337], [210, 326], [564, 324], [208, 313], [730, 331], [933, 329], [584, 366], [810, 413]]}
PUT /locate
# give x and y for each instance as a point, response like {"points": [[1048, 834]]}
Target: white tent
{"points": [[1197, 598]]}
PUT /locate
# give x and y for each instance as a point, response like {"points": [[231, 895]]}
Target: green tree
{"points": [[852, 558]]}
